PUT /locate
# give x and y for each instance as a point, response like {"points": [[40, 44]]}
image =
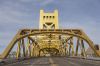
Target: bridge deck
{"points": [[55, 61]]}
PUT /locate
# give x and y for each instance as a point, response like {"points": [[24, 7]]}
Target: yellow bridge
{"points": [[49, 40]]}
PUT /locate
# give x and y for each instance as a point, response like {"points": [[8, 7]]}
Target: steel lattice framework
{"points": [[49, 40], [27, 33]]}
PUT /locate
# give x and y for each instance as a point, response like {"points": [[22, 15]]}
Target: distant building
{"points": [[90, 52]]}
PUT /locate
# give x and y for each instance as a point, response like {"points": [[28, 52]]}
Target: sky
{"points": [[18, 14]]}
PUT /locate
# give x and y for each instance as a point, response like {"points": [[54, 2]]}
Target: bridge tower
{"points": [[48, 20]]}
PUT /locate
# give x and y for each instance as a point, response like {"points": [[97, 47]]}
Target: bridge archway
{"points": [[82, 37], [48, 52]]}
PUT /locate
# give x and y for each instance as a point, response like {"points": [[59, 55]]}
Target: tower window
{"points": [[53, 16], [46, 16], [43, 17], [50, 16]]}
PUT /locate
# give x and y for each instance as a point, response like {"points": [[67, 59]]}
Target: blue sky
{"points": [[17, 14]]}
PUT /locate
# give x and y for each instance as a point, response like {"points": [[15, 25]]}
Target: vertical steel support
{"points": [[77, 46], [29, 49], [32, 50], [83, 48], [66, 49], [18, 50], [71, 47], [23, 45]]}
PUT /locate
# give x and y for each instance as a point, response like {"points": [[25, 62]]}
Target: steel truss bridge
{"points": [[34, 46], [49, 47]]}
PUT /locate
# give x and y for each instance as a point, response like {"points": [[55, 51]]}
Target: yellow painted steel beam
{"points": [[18, 50], [48, 25], [10, 45], [83, 48], [77, 46], [91, 44], [68, 33], [38, 32], [23, 45]]}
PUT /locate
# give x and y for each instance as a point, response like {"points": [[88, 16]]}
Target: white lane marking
{"points": [[52, 62], [75, 64]]}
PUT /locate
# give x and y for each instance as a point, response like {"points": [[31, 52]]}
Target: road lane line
{"points": [[52, 62], [75, 64]]}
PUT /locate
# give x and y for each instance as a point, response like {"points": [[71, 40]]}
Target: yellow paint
{"points": [[48, 20]]}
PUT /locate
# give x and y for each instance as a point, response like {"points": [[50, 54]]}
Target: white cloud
{"points": [[9, 14], [46, 2], [28, 1]]}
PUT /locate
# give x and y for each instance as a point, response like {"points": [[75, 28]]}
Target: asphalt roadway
{"points": [[55, 61]]}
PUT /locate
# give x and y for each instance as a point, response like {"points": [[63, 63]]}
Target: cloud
{"points": [[14, 16], [46, 2], [26, 1]]}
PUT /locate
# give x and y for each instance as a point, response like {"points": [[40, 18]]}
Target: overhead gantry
{"points": [[49, 40]]}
